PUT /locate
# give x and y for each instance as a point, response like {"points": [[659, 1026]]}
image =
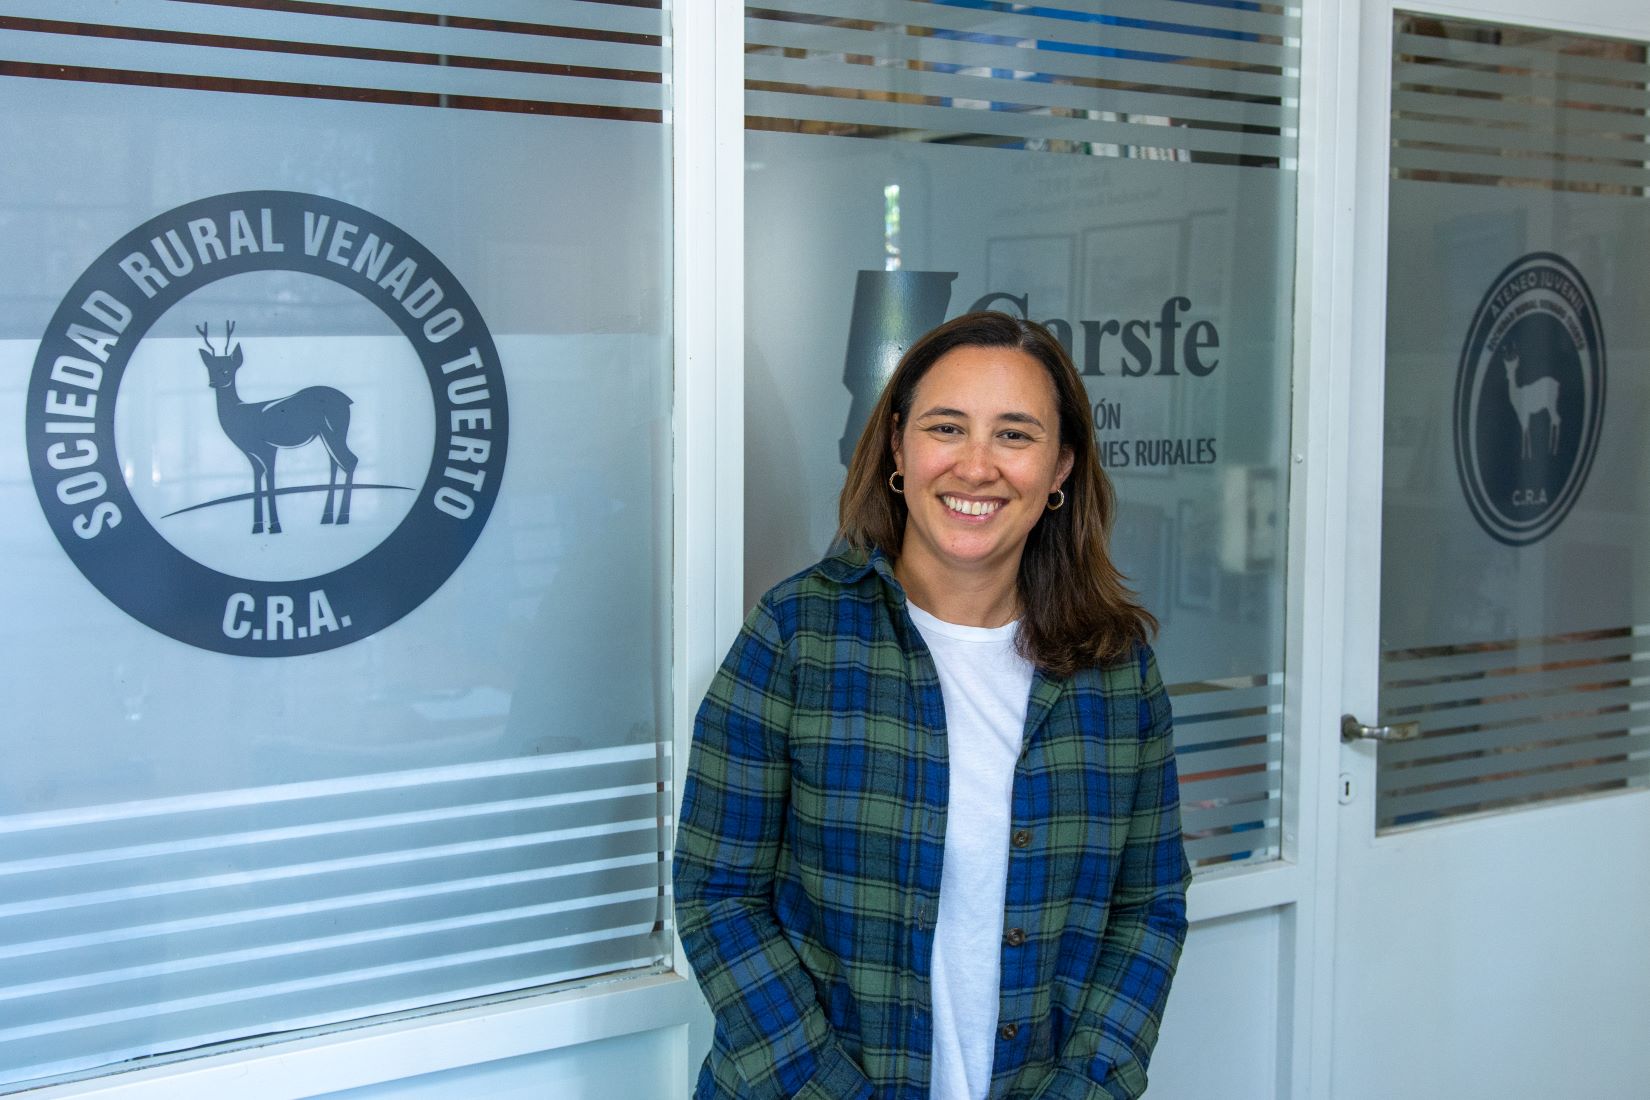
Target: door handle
{"points": [[1354, 730]]}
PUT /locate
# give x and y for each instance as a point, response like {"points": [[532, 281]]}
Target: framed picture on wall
{"points": [[1038, 267], [1129, 269]]}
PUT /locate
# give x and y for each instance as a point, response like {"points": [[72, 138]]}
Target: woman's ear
{"points": [[894, 440], [1068, 458]]}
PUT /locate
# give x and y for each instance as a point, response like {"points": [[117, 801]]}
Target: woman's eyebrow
{"points": [[1010, 417]]}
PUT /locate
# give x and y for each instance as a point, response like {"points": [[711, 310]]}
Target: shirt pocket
{"points": [[855, 786]]}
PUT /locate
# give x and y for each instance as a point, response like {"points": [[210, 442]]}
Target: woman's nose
{"points": [[975, 463]]}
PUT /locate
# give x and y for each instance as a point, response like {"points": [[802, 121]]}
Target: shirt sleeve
{"points": [[1106, 1054], [768, 1018]]}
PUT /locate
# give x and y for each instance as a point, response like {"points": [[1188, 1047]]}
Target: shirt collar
{"points": [[851, 566]]}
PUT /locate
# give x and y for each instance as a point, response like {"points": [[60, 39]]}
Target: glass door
{"points": [[1492, 878]]}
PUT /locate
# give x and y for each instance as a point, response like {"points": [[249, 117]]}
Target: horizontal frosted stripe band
{"points": [[904, 47], [353, 785], [1196, 819], [1551, 707], [1189, 704], [40, 1027], [886, 78], [1260, 783], [165, 57], [1471, 796], [1511, 736], [633, 19], [1575, 120], [1397, 780], [1400, 701], [311, 1007], [405, 856], [50, 973], [1253, 841], [1241, 756], [127, 893], [278, 820], [1504, 57], [1037, 22], [1026, 26], [415, 821], [1396, 669], [615, 17], [228, 900], [540, 13], [1568, 142], [1518, 87], [1188, 736], [1536, 169], [213, 931], [360, 33], [1189, 13], [953, 120], [302, 846], [132, 992], [197, 832]]}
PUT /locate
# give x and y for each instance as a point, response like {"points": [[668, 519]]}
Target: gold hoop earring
{"points": [[1053, 507], [900, 488]]}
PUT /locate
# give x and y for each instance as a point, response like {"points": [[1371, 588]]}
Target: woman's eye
{"points": [[1015, 437], [946, 429]]}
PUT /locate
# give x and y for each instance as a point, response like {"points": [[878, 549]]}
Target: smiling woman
{"points": [[934, 779]]}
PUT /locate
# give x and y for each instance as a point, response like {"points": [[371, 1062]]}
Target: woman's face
{"points": [[980, 453]]}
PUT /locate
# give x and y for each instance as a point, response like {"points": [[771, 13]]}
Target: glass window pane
{"points": [[1514, 472], [1127, 178], [313, 627]]}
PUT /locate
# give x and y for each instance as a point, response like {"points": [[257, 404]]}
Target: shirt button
{"points": [[1009, 1031], [1022, 838], [1014, 937]]}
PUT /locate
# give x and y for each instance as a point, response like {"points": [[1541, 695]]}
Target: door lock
{"points": [[1354, 730]]}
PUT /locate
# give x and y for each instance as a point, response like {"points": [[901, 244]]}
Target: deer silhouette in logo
{"points": [[261, 428], [1527, 400]]}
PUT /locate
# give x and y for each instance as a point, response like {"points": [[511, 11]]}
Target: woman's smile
{"points": [[970, 507]]}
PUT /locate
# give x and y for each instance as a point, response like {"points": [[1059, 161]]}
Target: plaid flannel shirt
{"points": [[807, 865]]}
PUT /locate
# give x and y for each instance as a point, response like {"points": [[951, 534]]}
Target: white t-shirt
{"points": [[986, 687]]}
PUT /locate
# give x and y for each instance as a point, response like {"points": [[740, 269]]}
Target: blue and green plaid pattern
{"points": [[807, 866]]}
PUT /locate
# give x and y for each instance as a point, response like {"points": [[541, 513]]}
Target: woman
{"points": [[930, 839]]}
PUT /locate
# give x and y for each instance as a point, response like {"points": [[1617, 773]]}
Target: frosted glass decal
{"points": [[178, 532], [1529, 396], [1165, 80]]}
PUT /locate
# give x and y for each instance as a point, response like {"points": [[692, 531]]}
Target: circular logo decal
{"points": [[1529, 399], [267, 423]]}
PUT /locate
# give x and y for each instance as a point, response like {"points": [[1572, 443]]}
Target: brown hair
{"points": [[1075, 609]]}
